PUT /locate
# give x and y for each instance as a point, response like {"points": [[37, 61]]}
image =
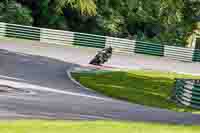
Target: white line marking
{"points": [[73, 80], [40, 88]]}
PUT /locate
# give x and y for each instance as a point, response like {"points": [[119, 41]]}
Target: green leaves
{"points": [[162, 20], [113, 24], [171, 11], [86, 7], [13, 12], [50, 18]]}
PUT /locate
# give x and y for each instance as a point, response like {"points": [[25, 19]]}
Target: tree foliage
{"points": [[166, 21], [13, 12], [86, 7]]}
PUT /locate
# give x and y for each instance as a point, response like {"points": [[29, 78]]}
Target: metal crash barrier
{"points": [[187, 92], [121, 45]]}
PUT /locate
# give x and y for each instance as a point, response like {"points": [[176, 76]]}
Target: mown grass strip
{"points": [[150, 88], [38, 126]]}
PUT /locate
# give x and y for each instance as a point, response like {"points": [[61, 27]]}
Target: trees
{"points": [[50, 18], [52, 13], [86, 7], [170, 21], [13, 12], [109, 18]]}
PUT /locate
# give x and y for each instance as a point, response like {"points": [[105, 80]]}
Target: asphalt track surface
{"points": [[54, 96]]}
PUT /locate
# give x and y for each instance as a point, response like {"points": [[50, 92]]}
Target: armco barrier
{"points": [[121, 45], [187, 92], [25, 32], [196, 56], [89, 40], [178, 53], [56, 36], [97, 41], [2, 29], [149, 48]]}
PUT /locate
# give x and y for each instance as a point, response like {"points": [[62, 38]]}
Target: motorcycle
{"points": [[102, 56]]}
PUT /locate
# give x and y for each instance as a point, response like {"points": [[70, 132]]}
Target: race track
{"points": [[54, 96]]}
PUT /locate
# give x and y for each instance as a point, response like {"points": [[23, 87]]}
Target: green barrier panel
{"points": [[149, 48], [187, 92], [22, 32], [89, 40], [196, 55], [190, 103]]}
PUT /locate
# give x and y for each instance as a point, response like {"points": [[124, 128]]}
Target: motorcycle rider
{"points": [[102, 56]]}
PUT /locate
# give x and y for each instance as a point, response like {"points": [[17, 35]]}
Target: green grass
{"points": [[91, 127], [150, 88]]}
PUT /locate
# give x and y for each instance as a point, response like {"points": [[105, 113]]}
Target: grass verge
{"points": [[34, 126], [150, 88]]}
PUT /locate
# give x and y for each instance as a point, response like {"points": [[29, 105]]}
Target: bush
{"points": [[13, 12]]}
